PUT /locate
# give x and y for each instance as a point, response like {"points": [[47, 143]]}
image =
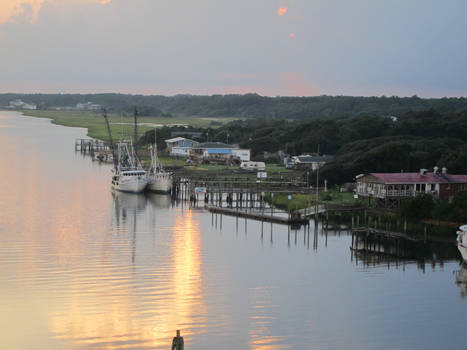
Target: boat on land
{"points": [[160, 181], [462, 241]]}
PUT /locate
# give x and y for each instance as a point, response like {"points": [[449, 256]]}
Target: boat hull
{"points": [[131, 185], [463, 251], [160, 183]]}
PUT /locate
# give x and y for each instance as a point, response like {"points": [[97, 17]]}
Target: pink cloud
{"points": [[296, 85], [282, 11]]}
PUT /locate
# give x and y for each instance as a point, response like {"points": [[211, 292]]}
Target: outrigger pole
{"points": [[135, 136], [112, 147]]}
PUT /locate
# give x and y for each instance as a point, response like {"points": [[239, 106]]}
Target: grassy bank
{"points": [[301, 201], [122, 127]]}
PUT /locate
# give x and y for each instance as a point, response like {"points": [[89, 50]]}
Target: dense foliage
{"points": [[246, 106], [425, 207], [360, 144]]}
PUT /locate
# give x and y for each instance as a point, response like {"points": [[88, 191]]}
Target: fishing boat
{"points": [[128, 174], [160, 181], [462, 241]]}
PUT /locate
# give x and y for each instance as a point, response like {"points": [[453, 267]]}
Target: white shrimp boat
{"points": [[462, 241], [160, 181], [128, 176]]}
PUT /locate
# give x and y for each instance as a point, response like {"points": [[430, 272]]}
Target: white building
{"points": [[180, 146], [243, 154], [88, 106], [18, 104]]}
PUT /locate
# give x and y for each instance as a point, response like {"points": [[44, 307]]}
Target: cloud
{"points": [[282, 11], [28, 10], [296, 85]]}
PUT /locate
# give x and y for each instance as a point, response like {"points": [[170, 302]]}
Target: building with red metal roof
{"points": [[396, 186]]}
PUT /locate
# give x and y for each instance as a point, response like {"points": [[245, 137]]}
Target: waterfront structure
{"points": [[390, 188], [313, 162], [180, 146], [209, 151]]}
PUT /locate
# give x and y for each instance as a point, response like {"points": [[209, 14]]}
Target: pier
{"points": [[292, 219], [97, 149]]}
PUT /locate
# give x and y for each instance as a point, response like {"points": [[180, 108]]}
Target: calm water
{"points": [[83, 268]]}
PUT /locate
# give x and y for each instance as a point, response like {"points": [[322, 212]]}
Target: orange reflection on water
{"points": [[261, 319], [104, 313]]}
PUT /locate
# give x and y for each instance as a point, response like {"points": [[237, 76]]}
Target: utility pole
{"points": [[317, 192]]}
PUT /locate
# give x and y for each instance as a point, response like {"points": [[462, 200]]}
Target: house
{"points": [[88, 106], [180, 146], [390, 188], [18, 104], [310, 162], [219, 151]]}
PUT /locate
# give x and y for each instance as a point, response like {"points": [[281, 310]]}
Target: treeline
{"points": [[247, 106], [360, 144], [426, 207]]}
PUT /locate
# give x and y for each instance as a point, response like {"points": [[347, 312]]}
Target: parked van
{"points": [[256, 166]]}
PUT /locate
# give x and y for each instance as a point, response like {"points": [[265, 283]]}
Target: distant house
{"points": [[180, 146], [391, 187], [88, 106], [310, 161], [18, 104], [219, 150]]}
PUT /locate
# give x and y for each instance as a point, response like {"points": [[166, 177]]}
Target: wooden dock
{"points": [[290, 220], [368, 231]]}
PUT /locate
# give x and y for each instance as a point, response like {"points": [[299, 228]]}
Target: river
{"points": [[84, 268]]}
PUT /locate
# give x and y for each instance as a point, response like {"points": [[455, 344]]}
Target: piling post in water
{"points": [[178, 343]]}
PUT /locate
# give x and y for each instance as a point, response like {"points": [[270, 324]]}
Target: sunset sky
{"points": [[287, 47]]}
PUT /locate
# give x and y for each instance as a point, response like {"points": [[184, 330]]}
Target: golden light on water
{"points": [[113, 320]]}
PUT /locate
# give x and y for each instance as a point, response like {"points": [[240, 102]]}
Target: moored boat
{"points": [[129, 176], [462, 241], [160, 181]]}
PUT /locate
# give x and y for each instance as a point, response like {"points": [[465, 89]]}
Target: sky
{"points": [[204, 47]]}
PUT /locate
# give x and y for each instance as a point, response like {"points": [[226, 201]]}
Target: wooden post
{"points": [[178, 343]]}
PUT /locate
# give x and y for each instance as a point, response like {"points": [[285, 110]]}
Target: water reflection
{"points": [[461, 280], [140, 306], [262, 317], [374, 250]]}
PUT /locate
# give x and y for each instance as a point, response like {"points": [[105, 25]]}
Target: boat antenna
{"points": [[112, 147]]}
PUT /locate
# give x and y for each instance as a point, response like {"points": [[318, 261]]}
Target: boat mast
{"points": [[135, 136], [112, 147], [155, 149]]}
